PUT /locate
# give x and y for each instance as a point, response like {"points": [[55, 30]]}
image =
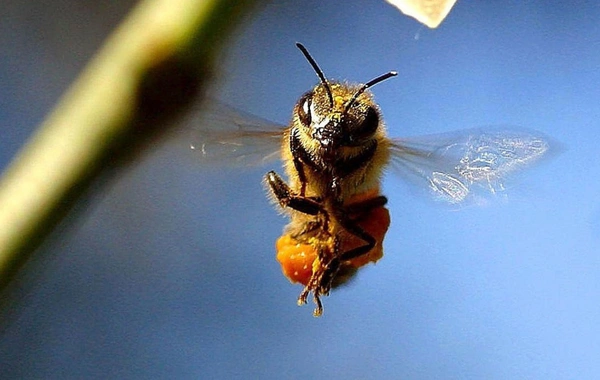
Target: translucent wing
{"points": [[223, 135], [467, 165]]}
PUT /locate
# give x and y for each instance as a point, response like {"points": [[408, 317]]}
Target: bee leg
{"points": [[366, 205], [357, 211], [320, 285], [299, 154], [287, 198], [353, 228], [321, 279], [316, 297], [308, 228]]}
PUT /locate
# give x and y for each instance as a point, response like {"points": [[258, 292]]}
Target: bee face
{"points": [[333, 116]]}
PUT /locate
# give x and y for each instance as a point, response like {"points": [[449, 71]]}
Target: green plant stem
{"points": [[149, 69]]}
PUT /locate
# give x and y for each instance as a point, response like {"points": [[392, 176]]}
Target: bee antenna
{"points": [[317, 69], [367, 85]]}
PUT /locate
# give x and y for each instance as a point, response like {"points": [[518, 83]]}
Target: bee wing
{"points": [[467, 165], [226, 136]]}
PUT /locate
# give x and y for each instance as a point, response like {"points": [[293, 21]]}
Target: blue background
{"points": [[169, 271]]}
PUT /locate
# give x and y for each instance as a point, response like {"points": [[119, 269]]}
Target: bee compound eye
{"points": [[367, 127], [371, 121], [304, 109]]}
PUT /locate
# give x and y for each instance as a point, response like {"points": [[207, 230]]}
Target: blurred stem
{"points": [[152, 66]]}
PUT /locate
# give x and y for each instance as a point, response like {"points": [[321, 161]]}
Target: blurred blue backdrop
{"points": [[169, 271]]}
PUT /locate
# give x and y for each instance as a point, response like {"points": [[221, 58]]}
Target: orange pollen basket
{"points": [[299, 259]]}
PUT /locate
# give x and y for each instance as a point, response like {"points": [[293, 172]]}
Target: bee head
{"points": [[336, 114]]}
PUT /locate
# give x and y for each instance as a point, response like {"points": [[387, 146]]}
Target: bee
{"points": [[335, 151]]}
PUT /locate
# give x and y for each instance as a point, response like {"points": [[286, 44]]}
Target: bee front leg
{"points": [[299, 154], [288, 198]]}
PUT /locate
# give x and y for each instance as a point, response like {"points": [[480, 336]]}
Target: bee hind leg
{"points": [[318, 311], [321, 280], [353, 228], [319, 285]]}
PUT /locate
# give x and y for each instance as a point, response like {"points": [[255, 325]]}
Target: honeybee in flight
{"points": [[335, 151]]}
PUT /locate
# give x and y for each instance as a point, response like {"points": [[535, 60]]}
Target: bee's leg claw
{"points": [[303, 296], [316, 297], [319, 285], [319, 309]]}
